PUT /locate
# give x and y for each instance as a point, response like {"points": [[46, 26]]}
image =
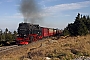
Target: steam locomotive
{"points": [[28, 33]]}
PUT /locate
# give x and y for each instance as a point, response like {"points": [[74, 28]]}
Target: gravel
{"points": [[82, 58]]}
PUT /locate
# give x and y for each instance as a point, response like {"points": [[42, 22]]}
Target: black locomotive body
{"points": [[27, 33]]}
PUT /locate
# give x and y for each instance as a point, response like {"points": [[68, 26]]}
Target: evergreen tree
{"points": [[66, 32], [8, 35], [88, 18], [81, 26], [0, 35], [14, 35], [88, 23]]}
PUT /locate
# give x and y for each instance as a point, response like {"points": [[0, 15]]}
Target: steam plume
{"points": [[30, 11]]}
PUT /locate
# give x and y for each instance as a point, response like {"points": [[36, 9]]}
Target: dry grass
{"points": [[61, 49]]}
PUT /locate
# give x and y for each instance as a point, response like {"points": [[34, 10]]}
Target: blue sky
{"points": [[55, 13]]}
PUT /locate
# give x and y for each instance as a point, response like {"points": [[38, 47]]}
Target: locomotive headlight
{"points": [[25, 35], [18, 35]]}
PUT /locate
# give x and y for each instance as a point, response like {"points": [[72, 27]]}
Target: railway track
{"points": [[6, 48], [19, 51]]}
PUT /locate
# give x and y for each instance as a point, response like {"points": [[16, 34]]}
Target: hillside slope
{"points": [[61, 49]]}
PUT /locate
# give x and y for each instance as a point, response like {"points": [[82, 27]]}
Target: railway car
{"points": [[54, 31], [45, 32], [50, 31]]}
